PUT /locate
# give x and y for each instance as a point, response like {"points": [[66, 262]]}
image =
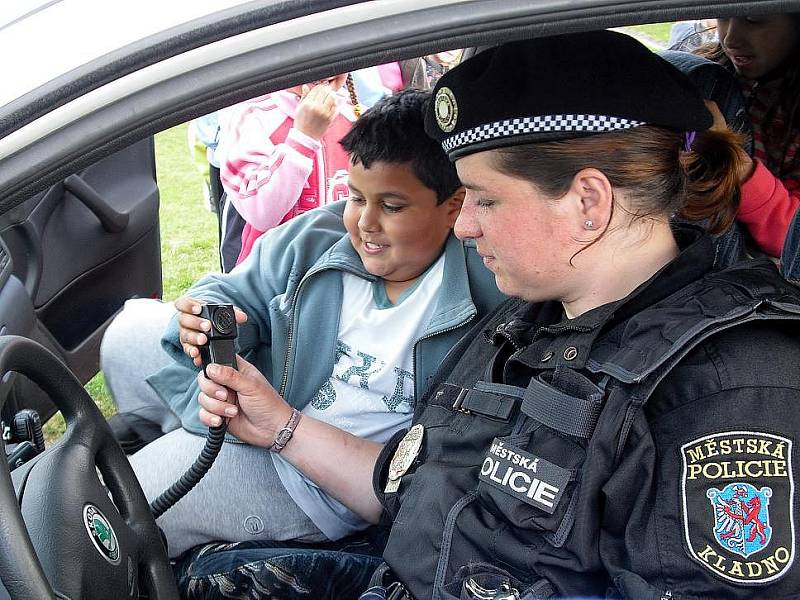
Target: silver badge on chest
{"points": [[406, 452]]}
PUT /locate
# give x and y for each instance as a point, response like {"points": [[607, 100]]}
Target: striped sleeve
{"points": [[264, 179]]}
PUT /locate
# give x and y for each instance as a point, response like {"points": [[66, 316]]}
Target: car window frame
{"points": [[229, 70]]}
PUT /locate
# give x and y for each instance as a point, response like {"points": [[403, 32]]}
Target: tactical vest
{"points": [[507, 481]]}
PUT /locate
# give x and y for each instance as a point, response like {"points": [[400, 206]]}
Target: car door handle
{"points": [[112, 220]]}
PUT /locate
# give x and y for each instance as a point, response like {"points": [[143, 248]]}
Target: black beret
{"points": [[557, 88]]}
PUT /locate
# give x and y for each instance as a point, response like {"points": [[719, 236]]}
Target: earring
{"points": [[589, 224]]}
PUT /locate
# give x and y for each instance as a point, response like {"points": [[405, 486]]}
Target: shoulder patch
{"points": [[737, 493]]}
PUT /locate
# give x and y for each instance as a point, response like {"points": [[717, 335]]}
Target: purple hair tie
{"points": [[687, 144]]}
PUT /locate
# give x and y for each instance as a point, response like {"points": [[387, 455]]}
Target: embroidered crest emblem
{"points": [[737, 499], [446, 109], [742, 517]]}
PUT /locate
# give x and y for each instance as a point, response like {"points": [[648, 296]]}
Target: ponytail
{"points": [[712, 170]]}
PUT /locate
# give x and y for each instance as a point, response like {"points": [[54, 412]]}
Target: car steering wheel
{"points": [[61, 534]]}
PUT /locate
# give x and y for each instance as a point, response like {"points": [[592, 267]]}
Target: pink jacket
{"points": [[767, 207], [273, 172]]}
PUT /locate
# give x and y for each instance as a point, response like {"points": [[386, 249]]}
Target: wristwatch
{"points": [[284, 435]]}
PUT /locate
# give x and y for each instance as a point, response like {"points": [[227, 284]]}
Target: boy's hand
{"points": [[316, 111], [192, 328]]}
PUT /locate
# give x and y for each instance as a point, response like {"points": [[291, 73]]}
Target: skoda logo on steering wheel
{"points": [[101, 532]]}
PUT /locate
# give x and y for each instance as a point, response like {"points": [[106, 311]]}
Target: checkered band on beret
{"points": [[556, 88], [532, 125]]}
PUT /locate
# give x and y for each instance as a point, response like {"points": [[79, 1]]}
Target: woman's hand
{"points": [[339, 462], [261, 411], [193, 328]]}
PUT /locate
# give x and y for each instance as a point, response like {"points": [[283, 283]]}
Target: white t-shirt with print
{"points": [[370, 392]]}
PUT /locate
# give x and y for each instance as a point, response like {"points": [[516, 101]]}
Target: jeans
{"points": [[337, 570]]}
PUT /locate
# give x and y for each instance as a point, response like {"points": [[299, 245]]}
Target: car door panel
{"points": [[76, 252]]}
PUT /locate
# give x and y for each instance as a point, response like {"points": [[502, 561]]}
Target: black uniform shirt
{"points": [[687, 492], [540, 336]]}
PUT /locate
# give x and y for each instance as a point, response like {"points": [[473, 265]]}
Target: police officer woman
{"points": [[627, 426]]}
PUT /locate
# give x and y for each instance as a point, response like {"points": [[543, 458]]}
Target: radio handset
{"points": [[221, 345], [219, 349]]}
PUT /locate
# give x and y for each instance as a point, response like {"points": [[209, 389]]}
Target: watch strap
{"points": [[285, 434]]}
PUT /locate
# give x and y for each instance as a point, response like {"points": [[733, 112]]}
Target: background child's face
{"points": [[756, 45], [394, 222]]}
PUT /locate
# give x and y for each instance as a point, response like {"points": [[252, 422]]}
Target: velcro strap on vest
{"points": [[552, 407], [488, 405], [492, 400]]}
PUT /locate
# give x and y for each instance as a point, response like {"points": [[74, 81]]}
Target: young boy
{"points": [[348, 310]]}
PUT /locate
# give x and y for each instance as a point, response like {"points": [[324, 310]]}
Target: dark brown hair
{"points": [[393, 131], [650, 163]]}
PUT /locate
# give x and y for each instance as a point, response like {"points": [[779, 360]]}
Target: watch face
{"points": [[284, 435]]}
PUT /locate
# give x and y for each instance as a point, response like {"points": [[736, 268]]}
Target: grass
{"points": [[188, 239], [188, 228], [658, 32]]}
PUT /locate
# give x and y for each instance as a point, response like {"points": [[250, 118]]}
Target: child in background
{"points": [[764, 53], [440, 63], [688, 36], [376, 82], [203, 138], [280, 155]]}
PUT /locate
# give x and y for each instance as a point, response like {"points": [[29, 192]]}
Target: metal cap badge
{"points": [[446, 109]]}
